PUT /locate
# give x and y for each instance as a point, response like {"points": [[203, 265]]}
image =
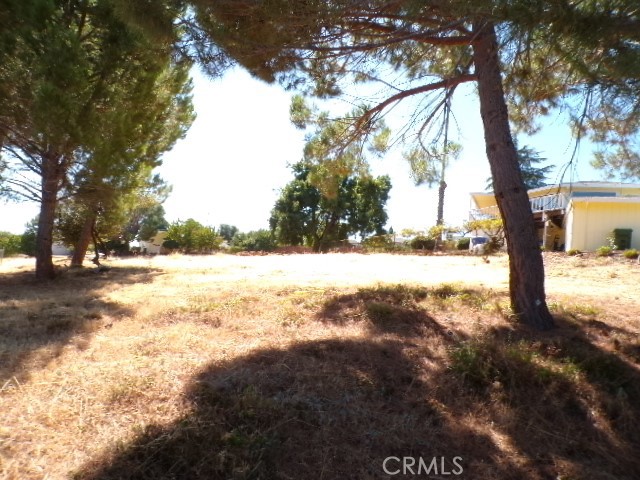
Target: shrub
{"points": [[604, 251], [379, 242], [171, 244], [463, 243], [422, 243], [255, 241], [631, 254], [28, 238], [449, 245], [193, 237], [573, 252], [10, 243]]}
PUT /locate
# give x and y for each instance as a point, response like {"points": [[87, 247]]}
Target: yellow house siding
{"points": [[589, 223]]}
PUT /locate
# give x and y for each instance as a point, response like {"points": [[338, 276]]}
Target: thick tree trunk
{"points": [[50, 185], [81, 247], [526, 269]]}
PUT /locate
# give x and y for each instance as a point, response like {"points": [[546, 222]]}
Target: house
{"points": [[153, 246], [577, 216]]}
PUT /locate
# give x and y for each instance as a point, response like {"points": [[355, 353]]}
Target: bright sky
{"points": [[235, 157]]}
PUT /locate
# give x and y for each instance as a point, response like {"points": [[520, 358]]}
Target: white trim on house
{"points": [[571, 186], [630, 199]]}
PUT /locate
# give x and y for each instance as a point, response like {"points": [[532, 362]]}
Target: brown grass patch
{"points": [[316, 366]]}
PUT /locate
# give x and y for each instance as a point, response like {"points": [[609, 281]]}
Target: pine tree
{"points": [[65, 75]]}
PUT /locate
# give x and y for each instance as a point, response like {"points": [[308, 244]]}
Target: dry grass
{"points": [[316, 366]]}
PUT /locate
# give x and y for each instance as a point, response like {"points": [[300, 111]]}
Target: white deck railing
{"points": [[538, 204], [548, 202]]}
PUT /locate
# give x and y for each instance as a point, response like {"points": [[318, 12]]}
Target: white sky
{"points": [[234, 159]]}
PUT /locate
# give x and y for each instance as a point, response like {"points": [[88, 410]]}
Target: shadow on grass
{"points": [[323, 409], [510, 403], [386, 309], [567, 404], [37, 320]]}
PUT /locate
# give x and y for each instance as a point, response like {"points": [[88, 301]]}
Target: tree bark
{"points": [[81, 247], [441, 189], [50, 184], [526, 269]]}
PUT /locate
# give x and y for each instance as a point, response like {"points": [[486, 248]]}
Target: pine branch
{"points": [[444, 84]]}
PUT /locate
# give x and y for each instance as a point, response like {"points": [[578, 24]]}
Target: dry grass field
{"points": [[317, 367]]}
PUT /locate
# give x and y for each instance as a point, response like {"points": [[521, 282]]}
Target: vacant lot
{"points": [[317, 366]]}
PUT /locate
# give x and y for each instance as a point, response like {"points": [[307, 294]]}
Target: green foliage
{"points": [[332, 195], [471, 362], [254, 241], [171, 244], [463, 243], [305, 215], [89, 105], [492, 228], [69, 222], [532, 175], [611, 241], [428, 165], [422, 243], [573, 252], [192, 237], [146, 220], [604, 251], [379, 242], [227, 232], [631, 254], [10, 243], [28, 238]]}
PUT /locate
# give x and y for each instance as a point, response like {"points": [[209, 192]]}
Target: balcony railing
{"points": [[538, 204], [548, 202]]}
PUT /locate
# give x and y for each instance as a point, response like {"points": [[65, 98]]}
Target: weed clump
{"points": [[604, 251]]}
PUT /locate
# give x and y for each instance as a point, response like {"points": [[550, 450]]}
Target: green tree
{"points": [[227, 232], [10, 243], [71, 80], [150, 113], [304, 215], [111, 218], [146, 220], [28, 238], [533, 176], [191, 236], [254, 241], [368, 197]]}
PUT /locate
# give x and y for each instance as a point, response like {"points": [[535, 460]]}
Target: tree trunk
{"points": [[441, 189], [81, 247], [526, 269], [50, 184]]}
